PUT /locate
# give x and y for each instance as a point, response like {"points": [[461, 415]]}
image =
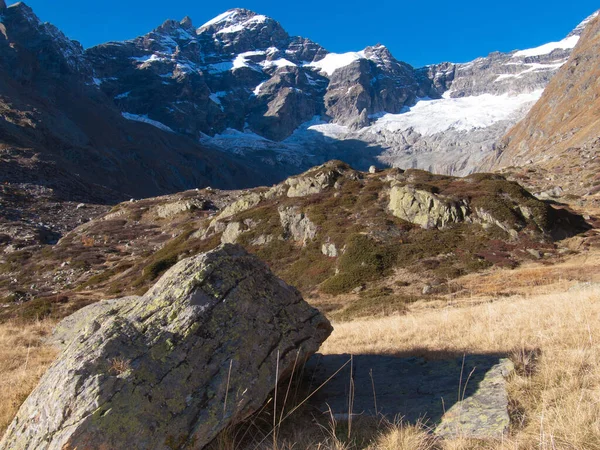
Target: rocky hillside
{"points": [[353, 242], [57, 129], [560, 138]]}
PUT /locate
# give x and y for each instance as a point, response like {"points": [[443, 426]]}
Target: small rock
{"points": [[535, 253], [329, 249], [296, 224], [80, 206], [231, 233], [427, 289], [358, 290], [372, 169]]}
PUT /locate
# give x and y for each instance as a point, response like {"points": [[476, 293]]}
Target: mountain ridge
{"points": [[269, 89]]}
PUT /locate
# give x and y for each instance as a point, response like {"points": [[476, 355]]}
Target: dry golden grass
{"points": [[23, 360], [553, 338], [557, 402], [535, 278]]}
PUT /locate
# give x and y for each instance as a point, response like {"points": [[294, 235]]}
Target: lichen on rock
{"points": [[424, 208], [171, 369]]}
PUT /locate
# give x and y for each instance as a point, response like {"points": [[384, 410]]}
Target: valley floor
{"points": [[549, 327]]}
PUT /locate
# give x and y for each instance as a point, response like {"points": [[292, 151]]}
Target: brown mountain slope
{"points": [[560, 137]]}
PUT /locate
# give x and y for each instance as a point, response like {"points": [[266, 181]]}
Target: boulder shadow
{"points": [[414, 388]]}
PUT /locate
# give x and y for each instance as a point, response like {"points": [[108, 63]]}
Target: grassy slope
{"points": [[551, 329]]}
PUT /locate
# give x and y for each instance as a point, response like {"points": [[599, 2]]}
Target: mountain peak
{"points": [[229, 17], [186, 22], [234, 20]]}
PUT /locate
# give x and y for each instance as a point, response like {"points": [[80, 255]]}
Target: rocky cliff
{"points": [[560, 135], [54, 117]]}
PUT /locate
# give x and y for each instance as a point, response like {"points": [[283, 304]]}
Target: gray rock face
{"points": [[329, 249], [317, 180], [370, 85], [174, 367], [296, 225], [424, 208], [243, 71]]}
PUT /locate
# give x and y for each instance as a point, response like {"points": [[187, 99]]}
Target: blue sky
{"points": [[418, 32]]}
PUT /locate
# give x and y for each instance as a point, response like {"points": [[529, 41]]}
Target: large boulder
{"points": [[170, 369], [425, 208]]}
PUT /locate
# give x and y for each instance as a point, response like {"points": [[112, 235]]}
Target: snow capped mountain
{"points": [[241, 84], [242, 71]]}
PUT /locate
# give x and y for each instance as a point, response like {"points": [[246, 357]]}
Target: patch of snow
{"points": [[545, 49], [123, 95], [334, 61], [256, 90], [231, 133], [236, 27], [186, 67], [281, 62], [216, 97], [145, 119], [311, 80], [238, 142], [221, 18], [232, 29], [220, 67], [147, 58], [241, 60], [429, 117], [330, 130], [533, 67], [97, 81]]}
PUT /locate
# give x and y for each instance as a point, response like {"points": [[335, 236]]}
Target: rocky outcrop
{"points": [[318, 179], [424, 208], [231, 233], [369, 85], [202, 349], [296, 225], [244, 203], [329, 249], [169, 210]]}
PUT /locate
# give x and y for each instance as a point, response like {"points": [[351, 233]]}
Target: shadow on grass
{"points": [[411, 387]]}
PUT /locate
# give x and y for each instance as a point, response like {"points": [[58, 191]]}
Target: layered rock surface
{"points": [[202, 349]]}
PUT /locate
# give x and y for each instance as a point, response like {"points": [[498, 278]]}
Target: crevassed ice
{"points": [[429, 117]]}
